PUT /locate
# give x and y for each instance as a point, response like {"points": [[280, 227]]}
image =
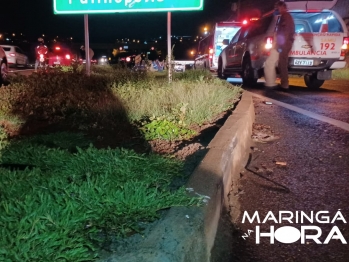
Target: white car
{"points": [[15, 56], [3, 66], [320, 45]]}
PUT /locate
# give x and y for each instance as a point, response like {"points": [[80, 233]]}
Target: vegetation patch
{"points": [[341, 74], [66, 188], [61, 206]]}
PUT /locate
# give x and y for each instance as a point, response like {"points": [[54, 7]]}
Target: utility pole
{"points": [[169, 51], [87, 46]]}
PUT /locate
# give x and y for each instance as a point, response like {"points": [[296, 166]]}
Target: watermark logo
{"points": [[292, 234]]}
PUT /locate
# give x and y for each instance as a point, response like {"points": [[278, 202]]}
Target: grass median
{"points": [[61, 197], [342, 74]]}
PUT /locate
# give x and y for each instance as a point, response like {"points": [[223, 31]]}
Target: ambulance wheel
{"points": [[220, 69], [312, 82], [247, 73]]}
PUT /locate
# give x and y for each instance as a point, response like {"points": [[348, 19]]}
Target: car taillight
{"points": [[58, 48], [12, 54], [210, 53], [269, 42], [344, 48], [67, 57], [345, 43]]}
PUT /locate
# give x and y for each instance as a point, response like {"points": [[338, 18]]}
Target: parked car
{"points": [[3, 67], [15, 56], [59, 55], [321, 42]]}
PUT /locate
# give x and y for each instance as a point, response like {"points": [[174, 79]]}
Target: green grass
{"points": [[202, 98], [62, 199], [62, 206], [341, 74]]}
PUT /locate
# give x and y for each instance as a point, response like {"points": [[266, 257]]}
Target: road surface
{"points": [[299, 164]]}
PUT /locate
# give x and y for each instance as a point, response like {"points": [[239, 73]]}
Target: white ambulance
{"points": [[320, 45], [211, 46]]}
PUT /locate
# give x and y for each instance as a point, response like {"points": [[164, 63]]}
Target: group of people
{"points": [[284, 37], [41, 52]]}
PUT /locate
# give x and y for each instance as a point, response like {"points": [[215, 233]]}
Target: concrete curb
{"points": [[188, 233]]}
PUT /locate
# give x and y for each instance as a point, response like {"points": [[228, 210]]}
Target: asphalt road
{"points": [[297, 164]]}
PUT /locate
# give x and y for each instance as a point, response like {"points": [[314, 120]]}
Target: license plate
{"points": [[57, 63], [303, 62]]}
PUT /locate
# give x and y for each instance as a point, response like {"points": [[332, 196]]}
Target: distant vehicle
{"points": [[103, 60], [211, 46], [182, 66], [3, 66], [124, 58], [83, 61], [15, 56], [59, 55], [320, 45]]}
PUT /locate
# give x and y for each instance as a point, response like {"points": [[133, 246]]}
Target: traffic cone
{"points": [[324, 26]]}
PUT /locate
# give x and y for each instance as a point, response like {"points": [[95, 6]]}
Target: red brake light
{"points": [[210, 50], [67, 57], [244, 22], [344, 48], [58, 48], [345, 43], [269, 43]]}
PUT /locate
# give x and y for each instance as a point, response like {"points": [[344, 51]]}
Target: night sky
{"points": [[35, 17]]}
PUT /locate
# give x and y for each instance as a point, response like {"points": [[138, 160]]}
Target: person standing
{"points": [[40, 50], [284, 37]]}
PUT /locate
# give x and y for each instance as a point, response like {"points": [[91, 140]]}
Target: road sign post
{"points": [[87, 46], [169, 51]]}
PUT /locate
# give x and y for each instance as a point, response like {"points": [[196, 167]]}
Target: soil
{"points": [[127, 136]]}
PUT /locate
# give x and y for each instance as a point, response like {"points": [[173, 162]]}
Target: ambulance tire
{"points": [[247, 73], [220, 70], [312, 82]]}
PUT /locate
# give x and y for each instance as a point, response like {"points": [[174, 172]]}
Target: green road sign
{"points": [[114, 6]]}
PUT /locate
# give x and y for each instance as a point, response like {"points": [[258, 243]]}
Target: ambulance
{"points": [[320, 44], [211, 46]]}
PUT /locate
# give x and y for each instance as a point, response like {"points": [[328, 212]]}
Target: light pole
{"points": [[87, 46], [169, 51]]}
